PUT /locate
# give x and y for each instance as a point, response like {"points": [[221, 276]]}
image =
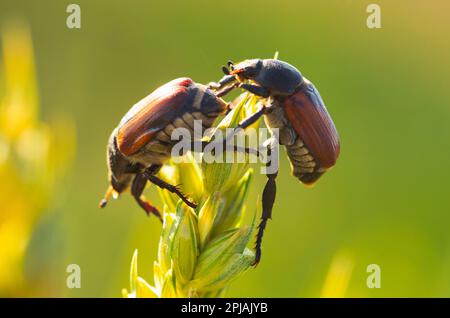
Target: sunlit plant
{"points": [[202, 251]]}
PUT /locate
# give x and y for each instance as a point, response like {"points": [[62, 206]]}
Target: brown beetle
{"points": [[142, 142], [293, 105]]}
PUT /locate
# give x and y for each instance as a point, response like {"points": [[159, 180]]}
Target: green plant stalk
{"points": [[202, 251]]}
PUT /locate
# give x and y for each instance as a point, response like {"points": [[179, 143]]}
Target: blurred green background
{"points": [[386, 202]]}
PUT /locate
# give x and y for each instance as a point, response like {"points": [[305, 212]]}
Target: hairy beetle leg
{"points": [[268, 199], [137, 188], [250, 120], [169, 187]]}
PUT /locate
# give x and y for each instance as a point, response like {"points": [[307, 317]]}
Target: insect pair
{"points": [[142, 143]]}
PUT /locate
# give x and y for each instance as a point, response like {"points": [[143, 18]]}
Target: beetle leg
{"points": [[268, 200], [250, 120], [137, 188], [171, 188], [255, 89], [226, 80], [242, 125], [226, 90], [229, 108], [235, 148]]}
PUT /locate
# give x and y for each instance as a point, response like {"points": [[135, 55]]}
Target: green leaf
{"points": [[134, 271], [169, 285], [158, 276], [144, 290], [185, 243], [169, 199], [216, 257], [164, 258], [190, 177], [221, 176], [220, 277], [207, 215], [169, 173], [233, 213]]}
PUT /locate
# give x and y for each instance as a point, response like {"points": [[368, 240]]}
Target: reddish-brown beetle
{"points": [[292, 105], [142, 142]]}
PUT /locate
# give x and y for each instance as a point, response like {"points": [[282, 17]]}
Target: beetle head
{"points": [[119, 170], [247, 69], [211, 101]]}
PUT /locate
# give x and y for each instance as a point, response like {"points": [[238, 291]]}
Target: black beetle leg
{"points": [[204, 144], [255, 89], [137, 188], [250, 120], [268, 199], [226, 90], [169, 187], [242, 125], [224, 81]]}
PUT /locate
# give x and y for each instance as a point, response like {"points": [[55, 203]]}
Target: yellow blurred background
{"points": [[386, 202]]}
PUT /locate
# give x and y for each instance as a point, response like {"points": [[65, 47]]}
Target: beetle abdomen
{"points": [[304, 165], [151, 114], [159, 149], [317, 135], [170, 106]]}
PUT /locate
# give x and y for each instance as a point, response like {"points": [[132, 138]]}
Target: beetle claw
{"points": [[150, 209], [191, 204], [257, 258], [184, 198]]}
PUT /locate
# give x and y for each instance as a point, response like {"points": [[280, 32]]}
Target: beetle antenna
{"points": [[225, 70]]}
